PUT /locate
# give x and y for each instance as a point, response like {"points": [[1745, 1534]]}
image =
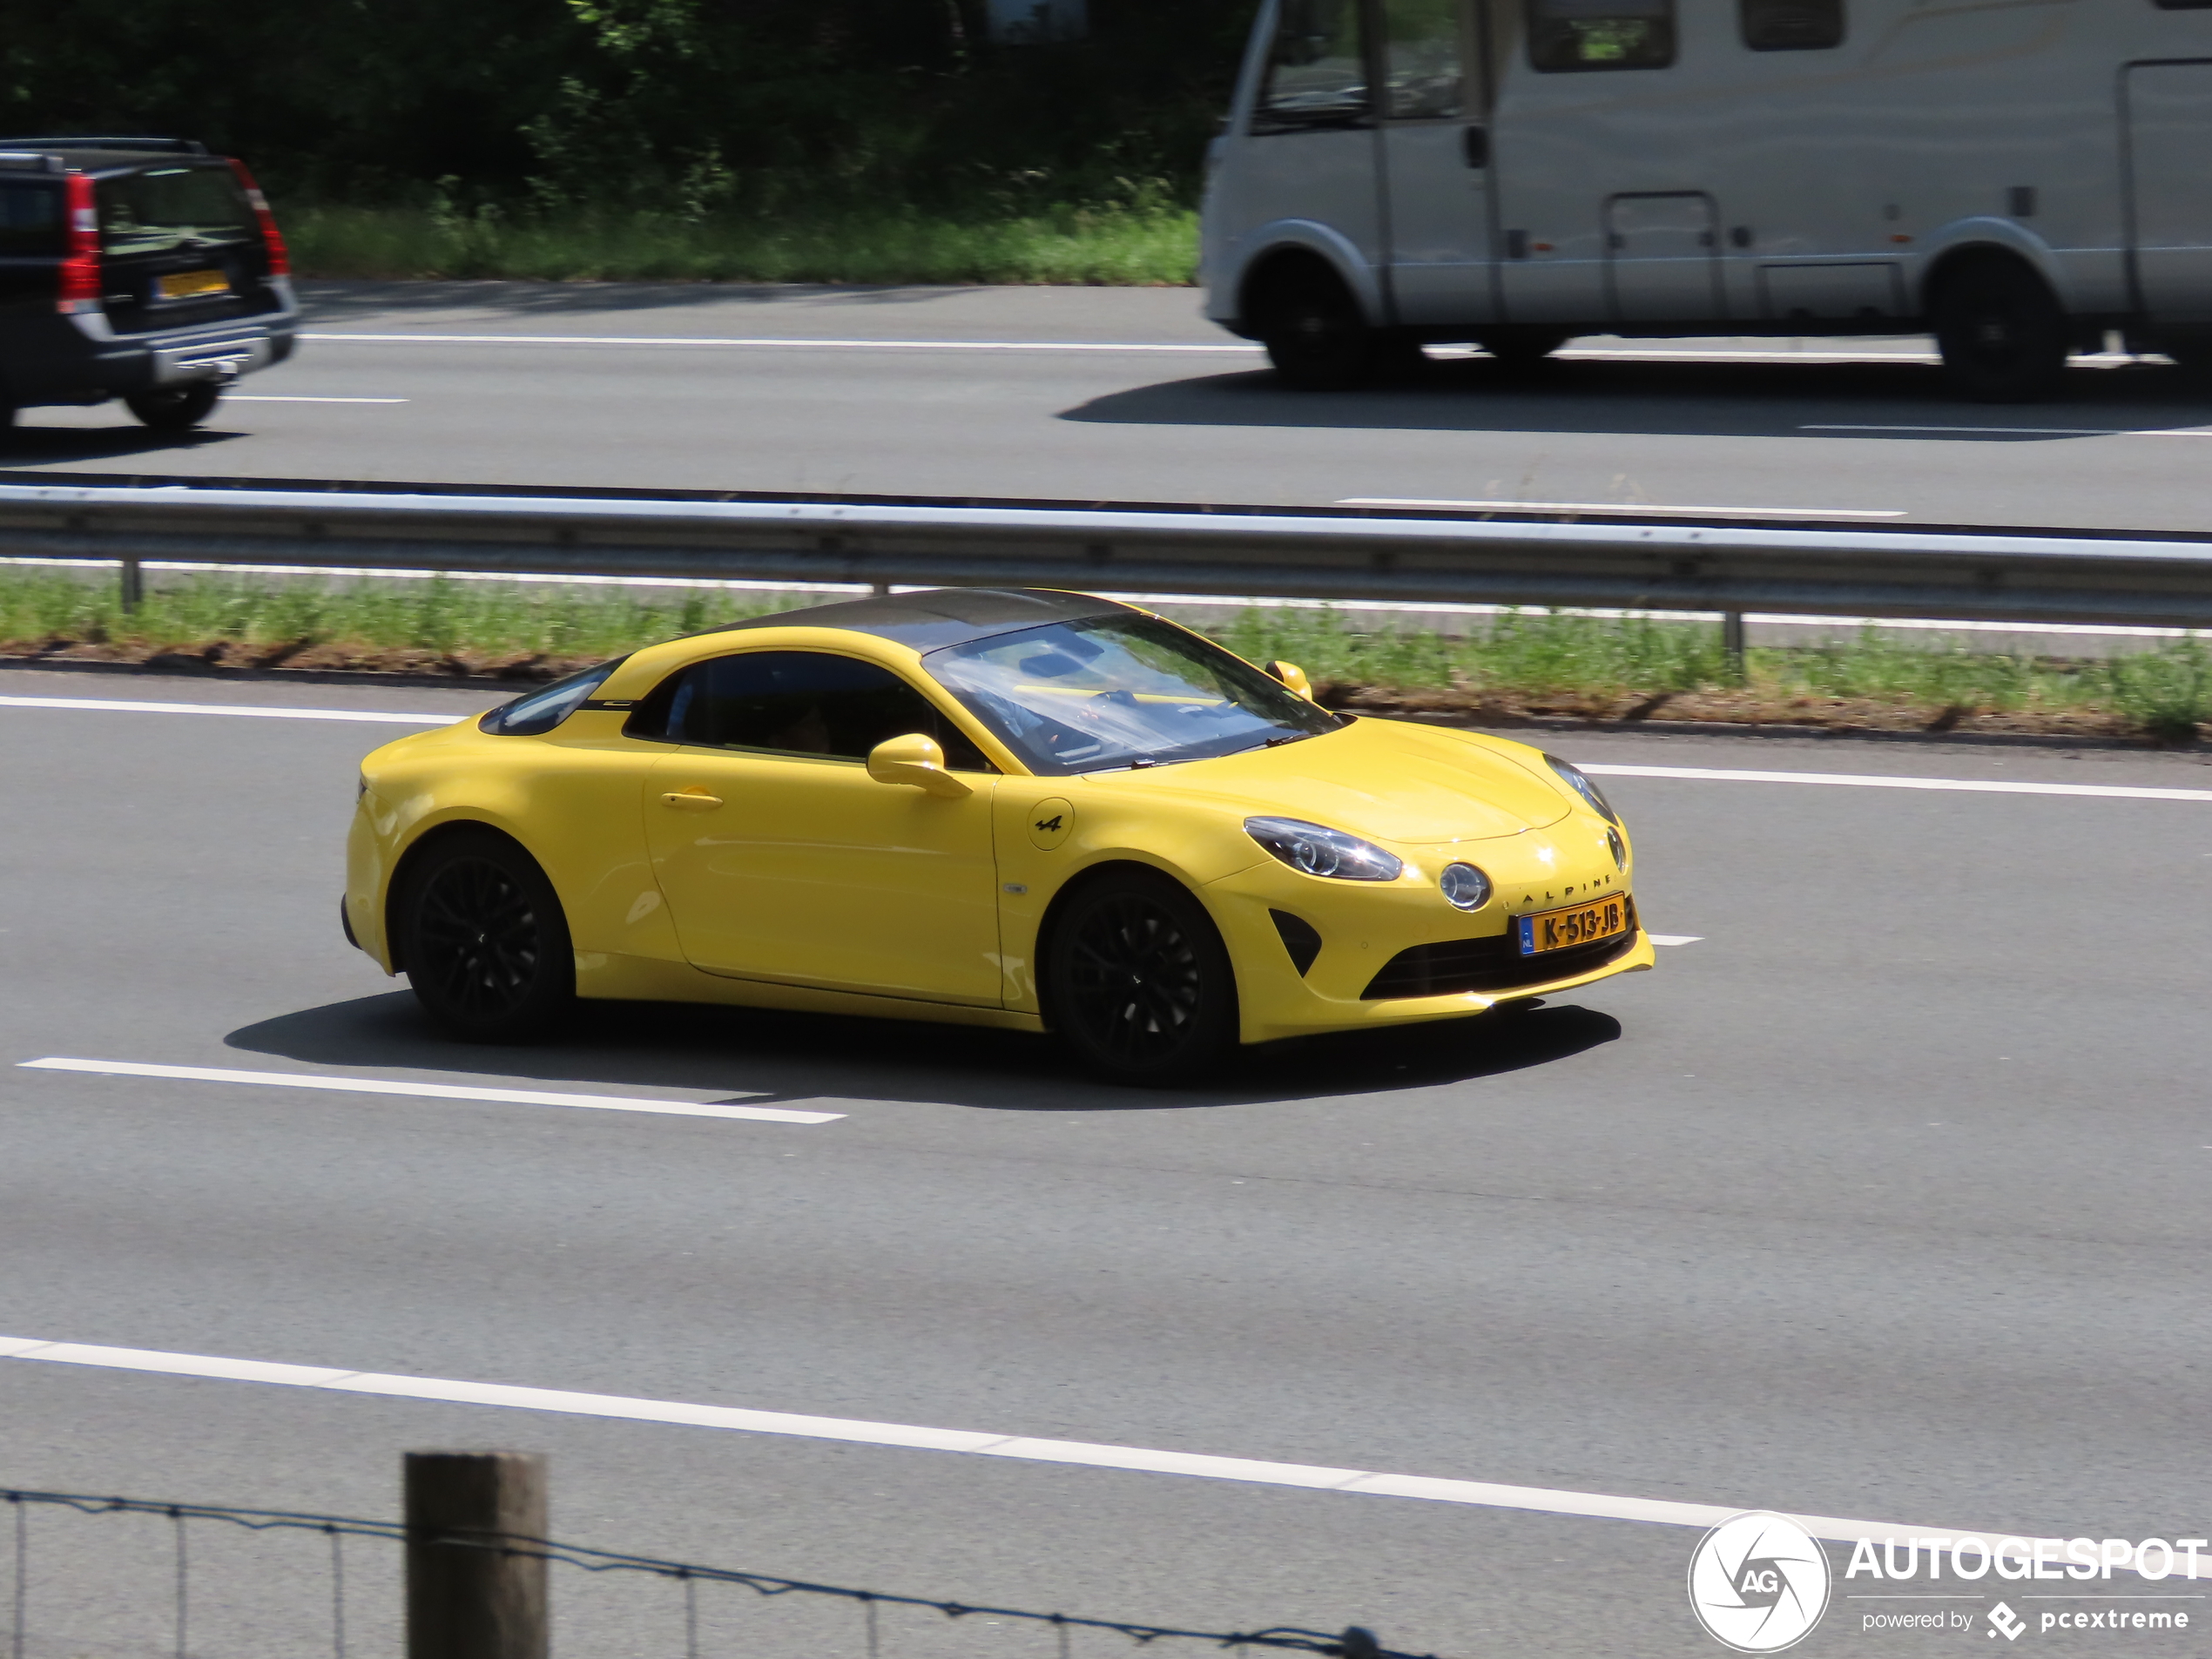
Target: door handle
{"points": [[696, 801], [1475, 143]]}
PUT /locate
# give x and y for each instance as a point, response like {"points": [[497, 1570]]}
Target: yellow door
{"points": [[782, 859]]}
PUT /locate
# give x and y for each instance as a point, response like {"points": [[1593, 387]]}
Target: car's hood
{"points": [[1387, 779]]}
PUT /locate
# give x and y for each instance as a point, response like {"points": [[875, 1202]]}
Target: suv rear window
{"points": [[30, 220], [172, 207]]}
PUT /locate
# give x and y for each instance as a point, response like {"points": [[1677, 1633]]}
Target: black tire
{"points": [[1138, 983], [1520, 349], [482, 938], [1314, 332], [2003, 336], [176, 409]]}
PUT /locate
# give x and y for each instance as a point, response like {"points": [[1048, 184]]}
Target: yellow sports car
{"points": [[1020, 808]]}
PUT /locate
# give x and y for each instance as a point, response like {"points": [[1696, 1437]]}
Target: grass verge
{"points": [[1142, 243], [1608, 670]]}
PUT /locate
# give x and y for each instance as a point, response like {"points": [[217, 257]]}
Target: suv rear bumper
{"points": [[81, 360]]}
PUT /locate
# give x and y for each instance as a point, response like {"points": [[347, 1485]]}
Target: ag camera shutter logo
{"points": [[1759, 1582]]}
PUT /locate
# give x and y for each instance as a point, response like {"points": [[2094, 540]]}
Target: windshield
{"points": [[174, 207], [1120, 691]]}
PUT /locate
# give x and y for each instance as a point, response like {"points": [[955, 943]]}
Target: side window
{"points": [[1423, 78], [1317, 75], [1567, 35], [1803, 25], [30, 220], [799, 702]]}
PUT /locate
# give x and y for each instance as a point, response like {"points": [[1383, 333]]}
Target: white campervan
{"points": [[2018, 177]]}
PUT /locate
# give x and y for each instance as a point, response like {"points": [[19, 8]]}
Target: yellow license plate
{"points": [[186, 285], [1581, 924]]}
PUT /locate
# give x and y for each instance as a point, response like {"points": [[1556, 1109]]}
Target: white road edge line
{"points": [[1675, 939], [2029, 431], [1539, 1500], [1974, 786], [1627, 509], [111, 705], [429, 1091]]}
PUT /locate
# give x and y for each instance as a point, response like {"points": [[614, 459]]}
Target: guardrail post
{"points": [[1732, 647], [134, 586], [467, 1597]]}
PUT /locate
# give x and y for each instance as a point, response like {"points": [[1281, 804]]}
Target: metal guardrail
{"points": [[1946, 574]]}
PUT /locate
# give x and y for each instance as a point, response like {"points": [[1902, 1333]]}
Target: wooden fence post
{"points": [[467, 1598]]}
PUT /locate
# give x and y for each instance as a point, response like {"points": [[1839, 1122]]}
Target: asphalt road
{"points": [[1884, 1199], [1129, 395]]}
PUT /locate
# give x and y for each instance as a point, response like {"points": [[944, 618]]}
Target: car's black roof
{"points": [[936, 617]]}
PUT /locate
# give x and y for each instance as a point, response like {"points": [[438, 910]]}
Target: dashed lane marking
{"points": [[1675, 939], [1140, 1460], [431, 1091]]}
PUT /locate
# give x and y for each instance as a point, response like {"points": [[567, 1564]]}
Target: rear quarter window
{"points": [[30, 220], [164, 208]]}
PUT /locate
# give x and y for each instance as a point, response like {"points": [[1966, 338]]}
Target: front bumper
{"points": [[1363, 927]]}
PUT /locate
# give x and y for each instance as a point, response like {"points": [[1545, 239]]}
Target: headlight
{"points": [[1618, 848], [1319, 851], [1464, 885], [1571, 775]]}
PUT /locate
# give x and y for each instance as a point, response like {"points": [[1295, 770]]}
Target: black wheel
{"points": [[482, 938], [1520, 349], [1313, 331], [175, 408], [2003, 337], [1138, 983]]}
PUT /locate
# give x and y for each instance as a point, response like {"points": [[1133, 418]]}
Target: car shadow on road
{"points": [[752, 1057], [1903, 399], [29, 446]]}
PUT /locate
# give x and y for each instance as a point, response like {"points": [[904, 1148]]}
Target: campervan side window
{"points": [[1422, 79], [1797, 25], [1317, 75], [1565, 34], [2184, 5]]}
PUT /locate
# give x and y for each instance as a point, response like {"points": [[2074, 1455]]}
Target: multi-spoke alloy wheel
{"points": [[486, 946], [1138, 982]]}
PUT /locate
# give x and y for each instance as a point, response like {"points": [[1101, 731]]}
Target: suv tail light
{"points": [[279, 260], [80, 283]]}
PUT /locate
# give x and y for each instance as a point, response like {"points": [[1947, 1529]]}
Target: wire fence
{"points": [[1354, 1642]]}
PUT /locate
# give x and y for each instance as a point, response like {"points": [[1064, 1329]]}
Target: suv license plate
{"points": [[1581, 924], [188, 284]]}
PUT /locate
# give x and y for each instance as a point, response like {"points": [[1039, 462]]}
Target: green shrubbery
{"points": [[2166, 692], [852, 139]]}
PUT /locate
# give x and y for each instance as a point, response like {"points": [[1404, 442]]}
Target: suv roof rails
{"points": [[78, 141]]}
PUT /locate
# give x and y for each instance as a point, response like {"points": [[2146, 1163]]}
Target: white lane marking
{"points": [[429, 1091], [1975, 786], [111, 705], [271, 397], [1627, 510], [2030, 431], [1489, 1494], [1674, 938], [770, 343]]}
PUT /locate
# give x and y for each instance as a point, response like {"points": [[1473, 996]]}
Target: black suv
{"points": [[140, 268]]}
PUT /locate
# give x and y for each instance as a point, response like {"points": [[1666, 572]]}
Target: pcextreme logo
{"points": [[1759, 1582]]}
